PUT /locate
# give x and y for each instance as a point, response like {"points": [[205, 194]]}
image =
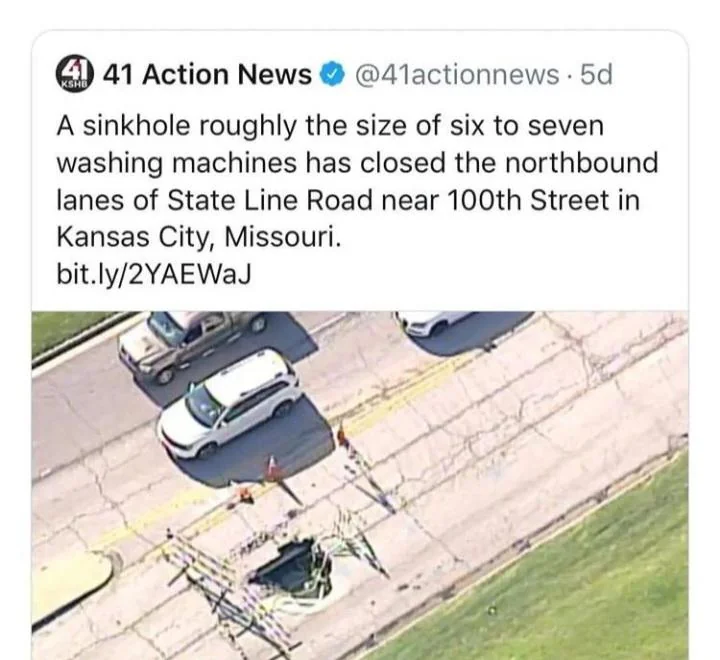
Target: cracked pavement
{"points": [[472, 449]]}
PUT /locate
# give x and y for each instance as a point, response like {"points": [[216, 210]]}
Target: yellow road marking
{"points": [[430, 378], [197, 495]]}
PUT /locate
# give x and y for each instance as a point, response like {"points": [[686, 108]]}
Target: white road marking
{"points": [[334, 320]]}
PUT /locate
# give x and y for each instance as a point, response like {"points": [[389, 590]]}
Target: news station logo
{"points": [[75, 73]]}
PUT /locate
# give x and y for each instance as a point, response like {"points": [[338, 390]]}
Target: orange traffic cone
{"points": [[244, 495], [272, 471], [341, 437]]}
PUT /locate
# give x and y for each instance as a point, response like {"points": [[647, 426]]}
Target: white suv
{"points": [[233, 401], [427, 324]]}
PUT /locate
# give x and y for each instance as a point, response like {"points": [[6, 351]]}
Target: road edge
{"points": [[117, 329], [564, 522], [81, 338], [111, 327]]}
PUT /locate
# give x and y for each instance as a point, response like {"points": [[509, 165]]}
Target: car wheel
{"points": [[438, 328], [207, 450], [283, 409], [258, 324], [165, 376]]}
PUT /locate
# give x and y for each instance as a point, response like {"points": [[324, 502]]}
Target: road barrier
{"points": [[520, 547]]}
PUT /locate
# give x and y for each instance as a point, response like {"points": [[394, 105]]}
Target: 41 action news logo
{"points": [[74, 73]]}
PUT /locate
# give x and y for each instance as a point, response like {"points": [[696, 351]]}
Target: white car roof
{"points": [[245, 376]]}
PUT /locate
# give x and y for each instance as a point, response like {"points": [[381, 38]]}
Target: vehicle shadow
{"points": [[479, 330], [283, 333], [296, 442]]}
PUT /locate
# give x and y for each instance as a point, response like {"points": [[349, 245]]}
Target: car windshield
{"points": [[163, 326], [203, 407]]}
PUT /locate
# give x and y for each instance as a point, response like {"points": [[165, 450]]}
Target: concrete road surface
{"points": [[469, 450], [92, 400]]}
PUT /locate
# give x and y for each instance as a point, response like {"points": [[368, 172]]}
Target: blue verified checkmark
{"points": [[332, 73]]}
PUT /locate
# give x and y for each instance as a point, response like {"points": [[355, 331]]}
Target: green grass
{"points": [[52, 328], [613, 587]]}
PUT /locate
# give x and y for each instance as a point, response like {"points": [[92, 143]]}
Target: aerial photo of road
{"points": [[308, 485]]}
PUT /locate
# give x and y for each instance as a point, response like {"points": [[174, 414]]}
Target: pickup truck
{"points": [[167, 341]]}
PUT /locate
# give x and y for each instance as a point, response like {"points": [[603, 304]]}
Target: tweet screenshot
{"points": [[315, 484]]}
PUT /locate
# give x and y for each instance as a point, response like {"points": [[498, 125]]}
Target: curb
{"points": [[81, 338], [506, 558], [116, 319]]}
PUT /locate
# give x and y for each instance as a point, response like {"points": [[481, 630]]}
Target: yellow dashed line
{"points": [[427, 380], [189, 497]]}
